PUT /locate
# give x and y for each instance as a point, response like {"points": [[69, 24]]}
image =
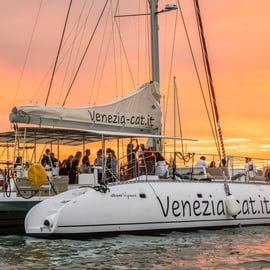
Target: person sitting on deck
{"points": [[201, 162], [161, 169], [250, 168], [212, 164]]}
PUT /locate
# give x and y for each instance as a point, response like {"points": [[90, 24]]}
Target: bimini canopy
{"points": [[61, 136], [139, 113]]}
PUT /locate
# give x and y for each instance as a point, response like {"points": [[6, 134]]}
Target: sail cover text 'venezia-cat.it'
{"points": [[138, 112]]}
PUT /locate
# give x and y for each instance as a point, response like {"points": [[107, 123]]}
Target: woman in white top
{"points": [[201, 162]]}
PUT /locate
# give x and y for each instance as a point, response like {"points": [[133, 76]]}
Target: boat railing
{"points": [[127, 168], [232, 168]]}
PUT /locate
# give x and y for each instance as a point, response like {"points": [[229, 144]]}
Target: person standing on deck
{"points": [[85, 160], [46, 160], [131, 157], [74, 169], [142, 163]]}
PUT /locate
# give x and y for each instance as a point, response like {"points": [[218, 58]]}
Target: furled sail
{"points": [[138, 112]]}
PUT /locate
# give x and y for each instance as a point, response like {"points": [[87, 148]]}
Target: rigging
{"points": [[209, 78], [213, 130], [85, 52], [71, 51], [28, 52], [58, 52]]}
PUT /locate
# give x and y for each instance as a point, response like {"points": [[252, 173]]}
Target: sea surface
{"points": [[231, 248]]}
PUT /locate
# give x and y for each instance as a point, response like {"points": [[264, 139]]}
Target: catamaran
{"points": [[189, 198]]}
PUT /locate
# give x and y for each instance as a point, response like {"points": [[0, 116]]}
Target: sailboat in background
{"points": [[142, 201]]}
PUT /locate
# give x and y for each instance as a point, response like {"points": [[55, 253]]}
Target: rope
{"points": [[98, 59], [179, 120], [27, 53], [209, 76], [203, 48], [170, 73], [60, 63], [100, 188], [84, 54], [125, 54], [71, 51], [198, 77], [58, 53], [102, 70], [147, 46], [81, 39], [117, 10], [138, 48], [114, 54]]}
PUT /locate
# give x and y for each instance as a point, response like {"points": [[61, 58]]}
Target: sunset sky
{"points": [[238, 40]]}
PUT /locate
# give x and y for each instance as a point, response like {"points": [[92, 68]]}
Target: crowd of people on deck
{"points": [[72, 165], [141, 160]]}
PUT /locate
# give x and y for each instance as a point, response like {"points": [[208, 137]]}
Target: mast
{"points": [[154, 40]]}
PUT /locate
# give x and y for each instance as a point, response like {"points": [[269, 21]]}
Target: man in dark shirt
{"points": [[46, 159], [85, 160]]}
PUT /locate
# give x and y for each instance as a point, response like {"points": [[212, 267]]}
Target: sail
{"points": [[138, 112]]}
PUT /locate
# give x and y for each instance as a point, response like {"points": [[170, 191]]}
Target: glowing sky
{"points": [[238, 40]]}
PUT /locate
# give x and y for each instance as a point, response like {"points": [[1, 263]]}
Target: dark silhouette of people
{"points": [[109, 165], [46, 159], [54, 161], [149, 161], [85, 160], [212, 164], [142, 163], [18, 162], [73, 179], [99, 161], [223, 163], [131, 157], [66, 166]]}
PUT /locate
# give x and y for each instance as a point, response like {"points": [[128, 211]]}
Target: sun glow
{"points": [[238, 51]]}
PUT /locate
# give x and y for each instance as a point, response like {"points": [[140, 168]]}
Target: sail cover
{"points": [[138, 112]]}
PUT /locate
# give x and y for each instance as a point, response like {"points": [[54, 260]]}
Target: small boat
{"points": [[189, 197]]}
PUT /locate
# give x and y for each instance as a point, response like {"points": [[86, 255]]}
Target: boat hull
{"points": [[150, 206], [13, 212]]}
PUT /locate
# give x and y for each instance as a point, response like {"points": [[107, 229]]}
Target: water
{"points": [[233, 248]]}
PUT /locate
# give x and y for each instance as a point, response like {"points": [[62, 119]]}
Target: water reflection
{"points": [[238, 248]]}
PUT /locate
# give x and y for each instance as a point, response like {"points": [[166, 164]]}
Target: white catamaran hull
{"points": [[149, 206]]}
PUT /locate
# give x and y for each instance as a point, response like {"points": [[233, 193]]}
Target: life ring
{"points": [[37, 175]]}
